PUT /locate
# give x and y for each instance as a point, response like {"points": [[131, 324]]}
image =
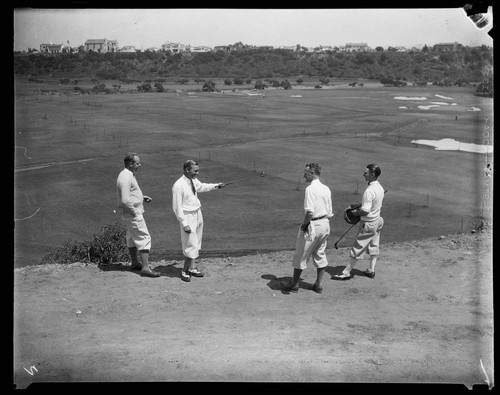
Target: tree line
{"points": [[466, 65]]}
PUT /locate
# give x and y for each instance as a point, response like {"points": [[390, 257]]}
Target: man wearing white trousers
{"points": [[314, 231], [370, 224], [187, 209]]}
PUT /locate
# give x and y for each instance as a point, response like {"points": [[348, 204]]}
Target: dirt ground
{"points": [[427, 317]]}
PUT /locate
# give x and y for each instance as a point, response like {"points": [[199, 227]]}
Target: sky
{"points": [[145, 28]]}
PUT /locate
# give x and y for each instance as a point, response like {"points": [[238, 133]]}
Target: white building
{"points": [[175, 47], [357, 47], [127, 48], [101, 45], [200, 48]]}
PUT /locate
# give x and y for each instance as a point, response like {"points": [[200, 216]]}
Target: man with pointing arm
{"points": [[187, 209]]}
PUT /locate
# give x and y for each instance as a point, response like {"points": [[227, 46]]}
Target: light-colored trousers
{"points": [[191, 242], [315, 248], [137, 232], [368, 238]]}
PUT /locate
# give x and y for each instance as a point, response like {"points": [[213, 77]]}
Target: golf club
{"points": [[244, 179], [341, 237]]}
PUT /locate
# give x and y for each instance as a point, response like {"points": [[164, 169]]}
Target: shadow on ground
{"points": [[165, 270]]}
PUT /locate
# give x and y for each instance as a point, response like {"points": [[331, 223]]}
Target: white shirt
{"points": [[129, 195], [371, 201], [318, 199], [183, 198]]}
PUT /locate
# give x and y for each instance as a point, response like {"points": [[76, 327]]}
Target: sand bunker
{"points": [[409, 98], [428, 107], [454, 145], [444, 97], [474, 109]]}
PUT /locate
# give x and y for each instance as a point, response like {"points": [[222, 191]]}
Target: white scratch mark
{"points": [[32, 215], [484, 371]]}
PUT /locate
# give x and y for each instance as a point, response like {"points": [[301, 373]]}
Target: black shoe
{"points": [[286, 286], [135, 268], [370, 274], [317, 289], [185, 276], [149, 273]]}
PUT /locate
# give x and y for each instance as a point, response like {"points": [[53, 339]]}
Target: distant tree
{"points": [[260, 85], [425, 49], [286, 85], [379, 49], [228, 81], [275, 83], [238, 81], [300, 81], [248, 81], [146, 87], [324, 81], [208, 86], [485, 88], [159, 87]]}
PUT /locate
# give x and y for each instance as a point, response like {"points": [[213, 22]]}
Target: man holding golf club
{"points": [[370, 224], [130, 205], [315, 228], [187, 209]]}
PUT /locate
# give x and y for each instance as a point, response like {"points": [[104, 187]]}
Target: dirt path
{"points": [[427, 317]]}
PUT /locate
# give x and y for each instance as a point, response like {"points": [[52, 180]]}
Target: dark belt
{"points": [[315, 219]]}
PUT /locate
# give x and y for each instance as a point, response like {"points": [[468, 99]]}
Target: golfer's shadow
{"points": [[169, 270], [336, 270], [275, 282], [165, 270]]}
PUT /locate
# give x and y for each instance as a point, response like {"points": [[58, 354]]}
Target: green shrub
{"points": [[106, 247]]}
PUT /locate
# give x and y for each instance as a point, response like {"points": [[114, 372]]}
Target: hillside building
{"points": [[51, 48], [356, 47], [200, 48], [101, 45], [175, 47], [127, 48], [447, 47]]}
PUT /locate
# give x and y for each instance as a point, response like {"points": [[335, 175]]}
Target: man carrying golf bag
{"points": [[370, 224]]}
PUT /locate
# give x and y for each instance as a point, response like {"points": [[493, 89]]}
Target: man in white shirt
{"points": [[130, 206], [187, 209], [313, 233], [370, 225]]}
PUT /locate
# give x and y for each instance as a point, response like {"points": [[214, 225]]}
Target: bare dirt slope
{"points": [[427, 317]]}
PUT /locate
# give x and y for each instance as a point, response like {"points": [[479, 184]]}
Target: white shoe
{"points": [[196, 273], [342, 276]]}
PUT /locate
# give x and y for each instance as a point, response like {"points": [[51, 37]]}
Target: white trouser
{"points": [[191, 242]]}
